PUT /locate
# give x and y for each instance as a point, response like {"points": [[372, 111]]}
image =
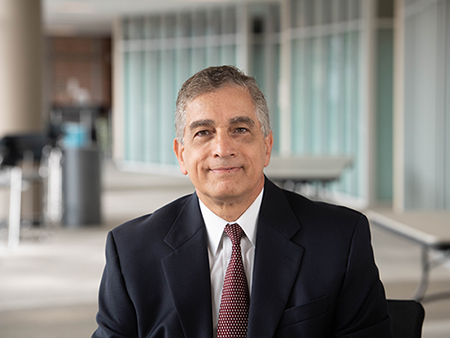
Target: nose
{"points": [[224, 146]]}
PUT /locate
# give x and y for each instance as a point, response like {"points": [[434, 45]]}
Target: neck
{"points": [[229, 210]]}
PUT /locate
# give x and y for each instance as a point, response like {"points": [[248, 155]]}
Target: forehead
{"points": [[222, 103]]}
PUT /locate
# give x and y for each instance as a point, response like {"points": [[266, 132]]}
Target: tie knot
{"points": [[235, 232]]}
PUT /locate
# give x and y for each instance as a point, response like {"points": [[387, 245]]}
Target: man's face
{"points": [[224, 151]]}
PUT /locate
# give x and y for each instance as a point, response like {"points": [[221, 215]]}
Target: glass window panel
{"points": [[426, 106], [343, 14], [133, 99], [384, 114], [135, 29], [130, 29], [258, 65], [336, 94], [298, 91], [229, 20], [410, 78], [326, 9], [275, 17], [199, 23], [352, 141], [199, 51], [167, 105], [184, 51], [316, 104], [325, 89], [228, 55], [301, 93], [275, 109], [125, 29], [168, 26], [294, 13], [354, 9], [183, 67], [213, 54], [309, 13], [198, 59], [325, 121], [213, 29], [151, 107], [184, 25], [213, 22], [151, 28]]}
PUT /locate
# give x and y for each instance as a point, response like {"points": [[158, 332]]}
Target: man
{"points": [[301, 268]]}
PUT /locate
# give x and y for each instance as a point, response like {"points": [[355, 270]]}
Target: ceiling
{"points": [[94, 17]]}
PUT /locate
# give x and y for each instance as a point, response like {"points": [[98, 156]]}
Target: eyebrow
{"points": [[242, 119], [209, 123], [201, 123]]}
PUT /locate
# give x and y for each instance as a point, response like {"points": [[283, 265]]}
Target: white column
{"points": [[21, 65]]}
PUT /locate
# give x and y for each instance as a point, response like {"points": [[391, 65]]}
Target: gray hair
{"points": [[212, 79]]}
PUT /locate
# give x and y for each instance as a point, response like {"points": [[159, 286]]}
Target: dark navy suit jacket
{"points": [[314, 274]]}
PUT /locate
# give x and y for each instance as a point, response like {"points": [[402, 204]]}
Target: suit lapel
{"points": [[277, 262], [187, 271]]}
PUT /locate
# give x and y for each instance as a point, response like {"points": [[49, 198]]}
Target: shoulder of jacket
{"points": [[162, 216]]}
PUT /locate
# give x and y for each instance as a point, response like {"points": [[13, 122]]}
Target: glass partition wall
{"points": [[316, 62], [326, 71], [422, 128], [159, 53]]}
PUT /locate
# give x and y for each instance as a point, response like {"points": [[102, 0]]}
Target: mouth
{"points": [[225, 170]]}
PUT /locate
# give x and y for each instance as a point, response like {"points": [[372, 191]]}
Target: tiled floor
{"points": [[48, 289]]}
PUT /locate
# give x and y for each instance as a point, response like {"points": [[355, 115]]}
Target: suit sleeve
{"points": [[362, 308], [116, 315]]}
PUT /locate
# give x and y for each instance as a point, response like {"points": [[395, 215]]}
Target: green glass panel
{"points": [[384, 115], [298, 96], [167, 110], [275, 109], [133, 101], [151, 98]]}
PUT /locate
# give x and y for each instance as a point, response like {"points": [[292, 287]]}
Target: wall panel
{"points": [[426, 109]]}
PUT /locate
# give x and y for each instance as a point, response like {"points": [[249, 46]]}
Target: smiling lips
{"points": [[225, 170]]}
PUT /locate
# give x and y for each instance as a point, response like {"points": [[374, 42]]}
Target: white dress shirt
{"points": [[219, 249]]}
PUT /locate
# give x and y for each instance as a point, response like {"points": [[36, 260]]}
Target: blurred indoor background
{"points": [[87, 96]]}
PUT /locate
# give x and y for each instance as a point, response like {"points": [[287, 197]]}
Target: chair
{"points": [[407, 318], [19, 156]]}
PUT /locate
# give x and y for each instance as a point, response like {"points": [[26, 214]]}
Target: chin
{"points": [[225, 192]]}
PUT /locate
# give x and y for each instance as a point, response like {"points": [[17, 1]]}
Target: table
{"points": [[307, 169], [430, 229]]}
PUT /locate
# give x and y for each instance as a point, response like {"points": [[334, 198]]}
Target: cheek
{"points": [[193, 161]]}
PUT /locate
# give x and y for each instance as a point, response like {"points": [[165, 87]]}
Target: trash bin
{"points": [[81, 186]]}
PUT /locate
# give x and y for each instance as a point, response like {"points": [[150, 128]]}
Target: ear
{"points": [[268, 141], [178, 148]]}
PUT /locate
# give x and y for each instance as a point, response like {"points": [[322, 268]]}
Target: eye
{"points": [[241, 130], [202, 133]]}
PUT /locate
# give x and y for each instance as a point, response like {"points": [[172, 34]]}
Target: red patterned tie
{"points": [[233, 313]]}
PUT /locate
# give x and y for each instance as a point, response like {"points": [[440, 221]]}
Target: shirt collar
{"points": [[215, 225]]}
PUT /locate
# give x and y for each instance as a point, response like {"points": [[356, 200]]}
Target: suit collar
{"points": [[277, 262], [277, 210], [188, 223], [187, 271]]}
